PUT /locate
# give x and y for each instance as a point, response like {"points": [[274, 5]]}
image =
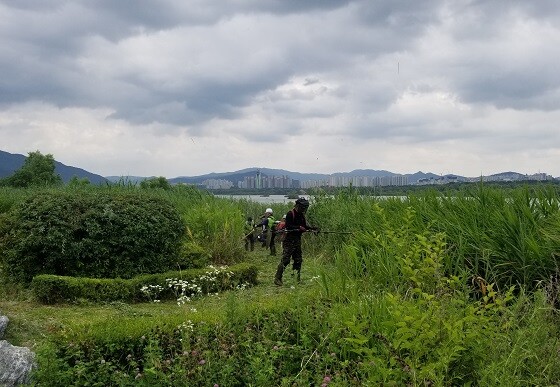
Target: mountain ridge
{"points": [[236, 176], [11, 162]]}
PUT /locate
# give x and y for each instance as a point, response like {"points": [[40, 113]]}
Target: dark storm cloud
{"points": [[403, 16], [291, 6], [45, 42], [166, 14], [41, 62], [189, 106], [509, 56], [519, 91], [542, 9], [154, 86]]}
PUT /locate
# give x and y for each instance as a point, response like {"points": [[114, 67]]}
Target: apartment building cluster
{"points": [[513, 176], [500, 177], [357, 181], [261, 181], [217, 184]]}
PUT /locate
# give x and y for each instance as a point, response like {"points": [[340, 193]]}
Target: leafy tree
{"points": [[37, 170], [155, 182], [75, 181]]}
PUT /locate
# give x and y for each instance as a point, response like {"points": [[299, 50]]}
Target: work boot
{"points": [[278, 275]]}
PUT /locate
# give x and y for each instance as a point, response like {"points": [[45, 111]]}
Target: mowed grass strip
{"points": [[32, 322]]}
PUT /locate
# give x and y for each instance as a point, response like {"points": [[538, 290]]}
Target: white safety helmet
{"points": [[269, 210]]}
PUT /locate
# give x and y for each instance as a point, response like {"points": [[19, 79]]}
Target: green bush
{"points": [[9, 197], [52, 289], [91, 234]]}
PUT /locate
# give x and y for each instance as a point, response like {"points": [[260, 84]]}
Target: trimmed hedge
{"points": [[91, 234], [53, 289]]}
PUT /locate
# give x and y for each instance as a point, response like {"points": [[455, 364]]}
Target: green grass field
{"points": [[32, 322]]}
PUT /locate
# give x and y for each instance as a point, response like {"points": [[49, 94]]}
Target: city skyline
{"points": [[258, 181]]}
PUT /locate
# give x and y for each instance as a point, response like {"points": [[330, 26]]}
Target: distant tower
{"points": [[258, 179]]}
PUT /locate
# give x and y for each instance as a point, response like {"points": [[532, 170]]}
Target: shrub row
{"points": [[52, 289]]}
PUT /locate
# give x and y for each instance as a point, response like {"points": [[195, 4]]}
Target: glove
{"points": [[302, 229]]}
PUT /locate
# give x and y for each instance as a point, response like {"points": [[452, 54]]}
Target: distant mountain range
{"points": [[9, 163], [240, 175], [413, 178]]}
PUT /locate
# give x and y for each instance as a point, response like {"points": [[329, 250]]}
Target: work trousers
{"points": [[291, 251], [270, 242], [250, 242]]}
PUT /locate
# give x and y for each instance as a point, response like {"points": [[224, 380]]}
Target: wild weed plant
{"points": [[431, 289]]}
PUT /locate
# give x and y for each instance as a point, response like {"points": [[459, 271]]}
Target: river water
{"points": [[271, 199], [262, 199]]}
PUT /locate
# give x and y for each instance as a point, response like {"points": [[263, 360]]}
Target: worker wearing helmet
{"points": [[267, 226], [296, 224]]}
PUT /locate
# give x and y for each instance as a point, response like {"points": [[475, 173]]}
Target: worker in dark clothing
{"points": [[268, 228], [296, 224], [249, 234]]}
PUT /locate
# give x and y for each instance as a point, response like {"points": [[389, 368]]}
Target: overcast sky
{"points": [[188, 87]]}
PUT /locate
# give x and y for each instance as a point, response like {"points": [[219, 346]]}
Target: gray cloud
{"points": [[405, 73]]}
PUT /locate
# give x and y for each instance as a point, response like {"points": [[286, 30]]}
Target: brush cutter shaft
{"points": [[316, 231]]}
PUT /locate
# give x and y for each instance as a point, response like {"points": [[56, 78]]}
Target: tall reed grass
{"points": [[506, 237], [422, 319]]}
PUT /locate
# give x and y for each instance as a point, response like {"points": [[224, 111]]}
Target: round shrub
{"points": [[90, 234]]}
